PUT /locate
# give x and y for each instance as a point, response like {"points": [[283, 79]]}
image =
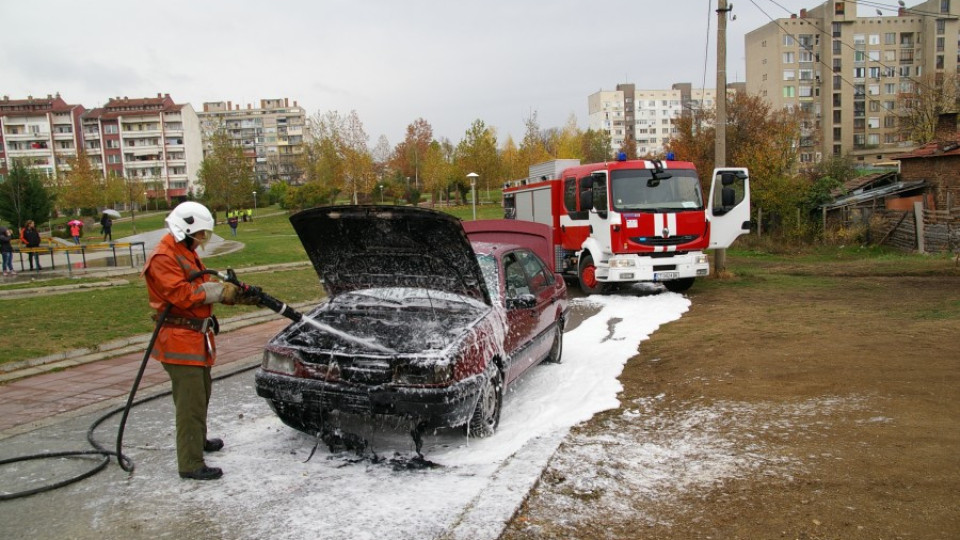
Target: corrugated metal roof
{"points": [[891, 189]]}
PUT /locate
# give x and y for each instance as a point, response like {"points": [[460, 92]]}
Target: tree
{"points": [[921, 107], [225, 174], [758, 138], [595, 146], [533, 148], [436, 170], [511, 163], [629, 147], [23, 196], [82, 186], [477, 153], [408, 153], [568, 142], [338, 159]]}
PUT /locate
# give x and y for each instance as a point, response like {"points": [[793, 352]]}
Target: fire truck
{"points": [[630, 221]]}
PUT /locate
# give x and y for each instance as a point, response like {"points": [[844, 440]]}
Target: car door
{"points": [[529, 286]]}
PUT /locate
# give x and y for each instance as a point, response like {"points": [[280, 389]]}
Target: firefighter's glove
{"points": [[249, 296], [224, 293]]}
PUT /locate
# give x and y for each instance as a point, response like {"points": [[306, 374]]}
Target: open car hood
{"points": [[361, 247]]}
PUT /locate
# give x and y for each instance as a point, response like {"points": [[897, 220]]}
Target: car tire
{"points": [[587, 275], [555, 356], [679, 285], [486, 414]]}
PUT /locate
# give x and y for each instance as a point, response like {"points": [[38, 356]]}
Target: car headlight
{"points": [[702, 259], [622, 263], [279, 362], [423, 374]]}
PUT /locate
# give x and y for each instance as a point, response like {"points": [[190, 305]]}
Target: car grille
{"points": [[364, 371]]}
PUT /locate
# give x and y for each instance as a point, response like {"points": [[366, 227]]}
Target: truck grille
{"points": [[669, 241]]}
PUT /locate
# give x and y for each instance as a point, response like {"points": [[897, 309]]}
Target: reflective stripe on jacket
{"points": [[166, 272]]}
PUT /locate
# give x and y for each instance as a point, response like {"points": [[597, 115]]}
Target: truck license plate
{"points": [[666, 276]]}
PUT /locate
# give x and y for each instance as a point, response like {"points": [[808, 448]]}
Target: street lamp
{"points": [[254, 202], [381, 193], [473, 191]]}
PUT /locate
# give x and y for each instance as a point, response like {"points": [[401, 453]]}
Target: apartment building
{"points": [[41, 132], [648, 116], [272, 136], [151, 140], [843, 74]]}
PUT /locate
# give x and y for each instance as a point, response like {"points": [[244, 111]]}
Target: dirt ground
{"points": [[829, 408]]}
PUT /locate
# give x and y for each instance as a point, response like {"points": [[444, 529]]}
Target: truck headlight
{"points": [[702, 259], [622, 263], [279, 362]]}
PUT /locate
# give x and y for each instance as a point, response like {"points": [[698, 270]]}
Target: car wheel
{"points": [[486, 415], [556, 350], [588, 276], [679, 285]]}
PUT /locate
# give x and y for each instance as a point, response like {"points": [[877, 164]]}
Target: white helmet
{"points": [[188, 218]]}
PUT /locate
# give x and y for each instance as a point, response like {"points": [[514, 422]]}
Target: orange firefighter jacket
{"points": [[166, 272]]}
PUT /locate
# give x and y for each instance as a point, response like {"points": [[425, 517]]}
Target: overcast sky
{"points": [[393, 61]]}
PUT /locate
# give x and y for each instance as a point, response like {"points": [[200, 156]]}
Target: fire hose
{"points": [[264, 300]]}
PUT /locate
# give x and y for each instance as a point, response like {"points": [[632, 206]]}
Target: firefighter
{"points": [[185, 342]]}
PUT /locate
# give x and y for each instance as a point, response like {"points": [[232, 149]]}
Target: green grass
{"points": [[44, 325]]}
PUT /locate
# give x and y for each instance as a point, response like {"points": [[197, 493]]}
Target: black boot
{"points": [[212, 445], [203, 473]]}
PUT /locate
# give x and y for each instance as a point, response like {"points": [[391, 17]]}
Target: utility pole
{"points": [[720, 150]]}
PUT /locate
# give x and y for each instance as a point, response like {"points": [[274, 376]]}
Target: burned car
{"points": [[418, 323]]}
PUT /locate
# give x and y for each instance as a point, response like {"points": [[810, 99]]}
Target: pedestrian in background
{"points": [[6, 251], [31, 238], [185, 342], [75, 231], [233, 222], [107, 224]]}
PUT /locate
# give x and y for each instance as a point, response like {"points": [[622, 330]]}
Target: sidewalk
{"points": [[30, 402]]}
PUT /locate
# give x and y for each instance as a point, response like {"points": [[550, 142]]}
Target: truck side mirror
{"points": [[586, 200]]}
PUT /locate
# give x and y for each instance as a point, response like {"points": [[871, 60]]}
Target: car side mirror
{"points": [[524, 301]]}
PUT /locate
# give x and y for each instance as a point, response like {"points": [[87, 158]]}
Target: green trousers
{"points": [[191, 396]]}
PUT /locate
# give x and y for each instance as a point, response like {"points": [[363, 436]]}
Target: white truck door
{"points": [[728, 209]]}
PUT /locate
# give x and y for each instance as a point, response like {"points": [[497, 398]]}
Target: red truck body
{"points": [[631, 220]]}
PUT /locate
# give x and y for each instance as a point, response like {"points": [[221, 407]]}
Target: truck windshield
{"points": [[632, 190]]}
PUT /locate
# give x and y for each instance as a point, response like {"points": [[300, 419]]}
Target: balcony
{"points": [[28, 136]]}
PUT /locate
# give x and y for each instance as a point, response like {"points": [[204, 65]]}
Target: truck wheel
{"points": [[486, 415], [679, 285], [588, 277]]}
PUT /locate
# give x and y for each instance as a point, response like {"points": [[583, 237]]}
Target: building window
{"points": [[788, 57], [838, 8], [111, 129], [789, 92], [941, 27], [890, 38], [944, 6], [859, 73], [836, 117], [806, 56], [889, 122], [806, 91], [789, 74], [873, 122], [837, 134], [889, 56], [788, 40], [837, 46]]}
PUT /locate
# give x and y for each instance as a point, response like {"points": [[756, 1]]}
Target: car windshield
{"points": [[488, 266], [635, 189]]}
